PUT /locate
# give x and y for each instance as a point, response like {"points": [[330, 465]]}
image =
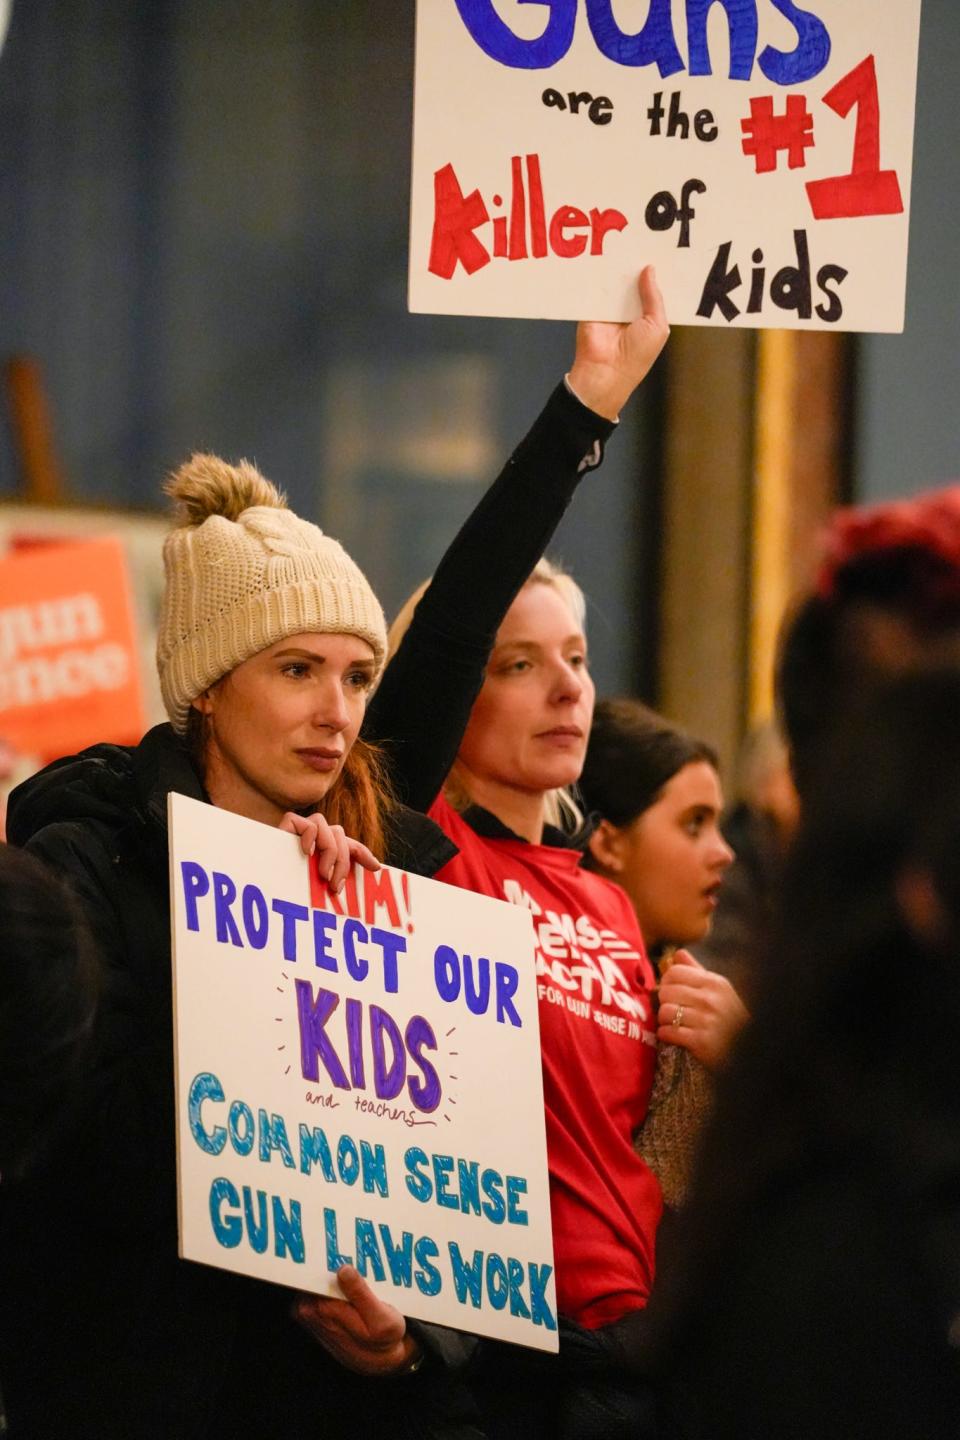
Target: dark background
{"points": [[203, 239]]}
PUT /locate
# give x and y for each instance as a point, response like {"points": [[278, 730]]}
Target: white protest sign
{"points": [[4, 20], [757, 152], [358, 1081]]}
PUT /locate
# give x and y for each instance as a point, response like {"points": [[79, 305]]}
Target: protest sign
{"points": [[69, 667], [358, 1080], [757, 152]]}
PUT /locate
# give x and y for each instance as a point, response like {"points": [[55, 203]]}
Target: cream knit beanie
{"points": [[242, 572]]}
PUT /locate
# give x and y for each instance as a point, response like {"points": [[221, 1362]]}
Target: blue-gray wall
{"points": [[908, 397]]}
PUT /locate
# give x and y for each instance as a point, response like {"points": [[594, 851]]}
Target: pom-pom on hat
{"points": [[242, 572]]}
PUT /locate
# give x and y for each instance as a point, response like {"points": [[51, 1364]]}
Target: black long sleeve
{"points": [[421, 708]]}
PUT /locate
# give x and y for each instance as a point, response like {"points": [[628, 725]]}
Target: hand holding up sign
{"points": [[361, 1331], [335, 849], [612, 359]]}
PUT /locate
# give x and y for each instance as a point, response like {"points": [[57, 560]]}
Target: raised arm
{"points": [[423, 703]]}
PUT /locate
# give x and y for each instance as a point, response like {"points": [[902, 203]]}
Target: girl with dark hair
{"points": [[814, 1292], [656, 797], [271, 643], [656, 791]]}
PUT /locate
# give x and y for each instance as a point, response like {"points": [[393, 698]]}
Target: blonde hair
{"points": [[560, 808]]}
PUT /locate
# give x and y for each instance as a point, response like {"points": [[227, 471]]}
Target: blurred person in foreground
{"points": [[49, 980], [886, 603], [814, 1292], [886, 599], [759, 826], [49, 983], [8, 762]]}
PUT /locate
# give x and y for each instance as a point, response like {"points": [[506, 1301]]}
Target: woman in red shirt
{"points": [[525, 742], [496, 643]]}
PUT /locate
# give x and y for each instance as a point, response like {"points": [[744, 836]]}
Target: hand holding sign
{"points": [[359, 1092], [362, 1332], [611, 359], [555, 140], [334, 848]]}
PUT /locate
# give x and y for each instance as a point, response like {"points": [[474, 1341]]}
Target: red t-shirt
{"points": [[598, 1038]]}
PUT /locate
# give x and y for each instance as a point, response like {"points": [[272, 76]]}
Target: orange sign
{"points": [[69, 668]]}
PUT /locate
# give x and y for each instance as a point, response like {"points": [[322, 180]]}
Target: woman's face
{"points": [[671, 859], [282, 723], [531, 721]]}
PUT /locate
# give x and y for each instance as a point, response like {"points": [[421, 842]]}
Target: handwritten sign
{"points": [[69, 665], [758, 152], [358, 1080]]}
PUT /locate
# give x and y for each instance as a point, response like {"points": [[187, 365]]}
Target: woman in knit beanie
{"points": [[270, 644], [270, 641]]}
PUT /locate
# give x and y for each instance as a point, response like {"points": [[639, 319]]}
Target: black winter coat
{"points": [[98, 1316]]}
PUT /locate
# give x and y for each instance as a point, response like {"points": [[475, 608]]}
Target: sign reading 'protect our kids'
{"points": [[358, 1081], [758, 152]]}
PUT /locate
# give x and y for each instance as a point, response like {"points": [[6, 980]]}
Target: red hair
{"points": [[905, 551]]}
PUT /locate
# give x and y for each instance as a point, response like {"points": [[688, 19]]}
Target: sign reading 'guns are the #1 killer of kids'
{"points": [[758, 152], [358, 1081]]}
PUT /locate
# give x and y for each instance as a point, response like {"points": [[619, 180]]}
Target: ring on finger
{"points": [[678, 1017]]}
